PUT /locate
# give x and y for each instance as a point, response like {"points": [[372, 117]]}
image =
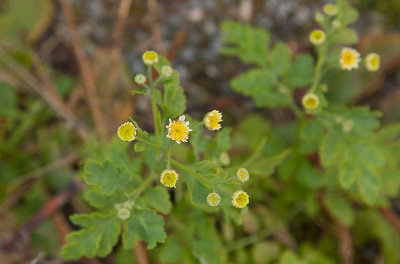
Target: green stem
{"points": [[142, 187], [318, 68], [156, 116], [252, 239], [255, 154], [169, 155], [148, 143], [185, 168]]}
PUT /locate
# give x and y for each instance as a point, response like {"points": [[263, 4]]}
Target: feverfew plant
{"points": [[187, 184], [130, 194]]}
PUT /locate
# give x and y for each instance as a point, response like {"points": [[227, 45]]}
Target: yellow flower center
{"points": [[213, 120], [241, 199], [150, 57], [178, 131], [310, 101], [349, 58], [213, 199], [169, 178], [127, 131]]}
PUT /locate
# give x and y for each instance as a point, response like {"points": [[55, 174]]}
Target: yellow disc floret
{"points": [[240, 199], [310, 101], [178, 130], [127, 131], [213, 199], [349, 59], [330, 10], [150, 57], [317, 37], [242, 175], [372, 62], [212, 120], [169, 178]]}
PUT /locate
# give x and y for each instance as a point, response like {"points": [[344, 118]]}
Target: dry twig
{"points": [[84, 68], [155, 25], [123, 12]]}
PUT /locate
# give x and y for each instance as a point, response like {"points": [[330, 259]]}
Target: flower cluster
{"points": [[179, 131], [239, 198]]}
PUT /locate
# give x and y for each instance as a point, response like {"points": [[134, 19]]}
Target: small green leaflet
{"points": [[248, 43], [143, 225], [98, 238], [109, 177]]}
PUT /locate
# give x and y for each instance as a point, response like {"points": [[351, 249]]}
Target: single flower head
{"points": [[240, 199], [213, 199], [166, 71], [123, 213], [140, 79], [169, 178], [212, 120], [330, 10], [317, 37], [242, 175], [310, 101], [372, 62], [150, 57], [349, 59], [127, 131], [178, 130]]}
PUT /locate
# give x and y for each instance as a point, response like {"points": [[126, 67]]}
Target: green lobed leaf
{"points": [[138, 91], [281, 58], [300, 72], [330, 148], [347, 14], [99, 236], [221, 143], [109, 177], [197, 190], [369, 184], [348, 170], [248, 43], [158, 198], [258, 84], [339, 208], [172, 251], [144, 225], [344, 36], [97, 199]]}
